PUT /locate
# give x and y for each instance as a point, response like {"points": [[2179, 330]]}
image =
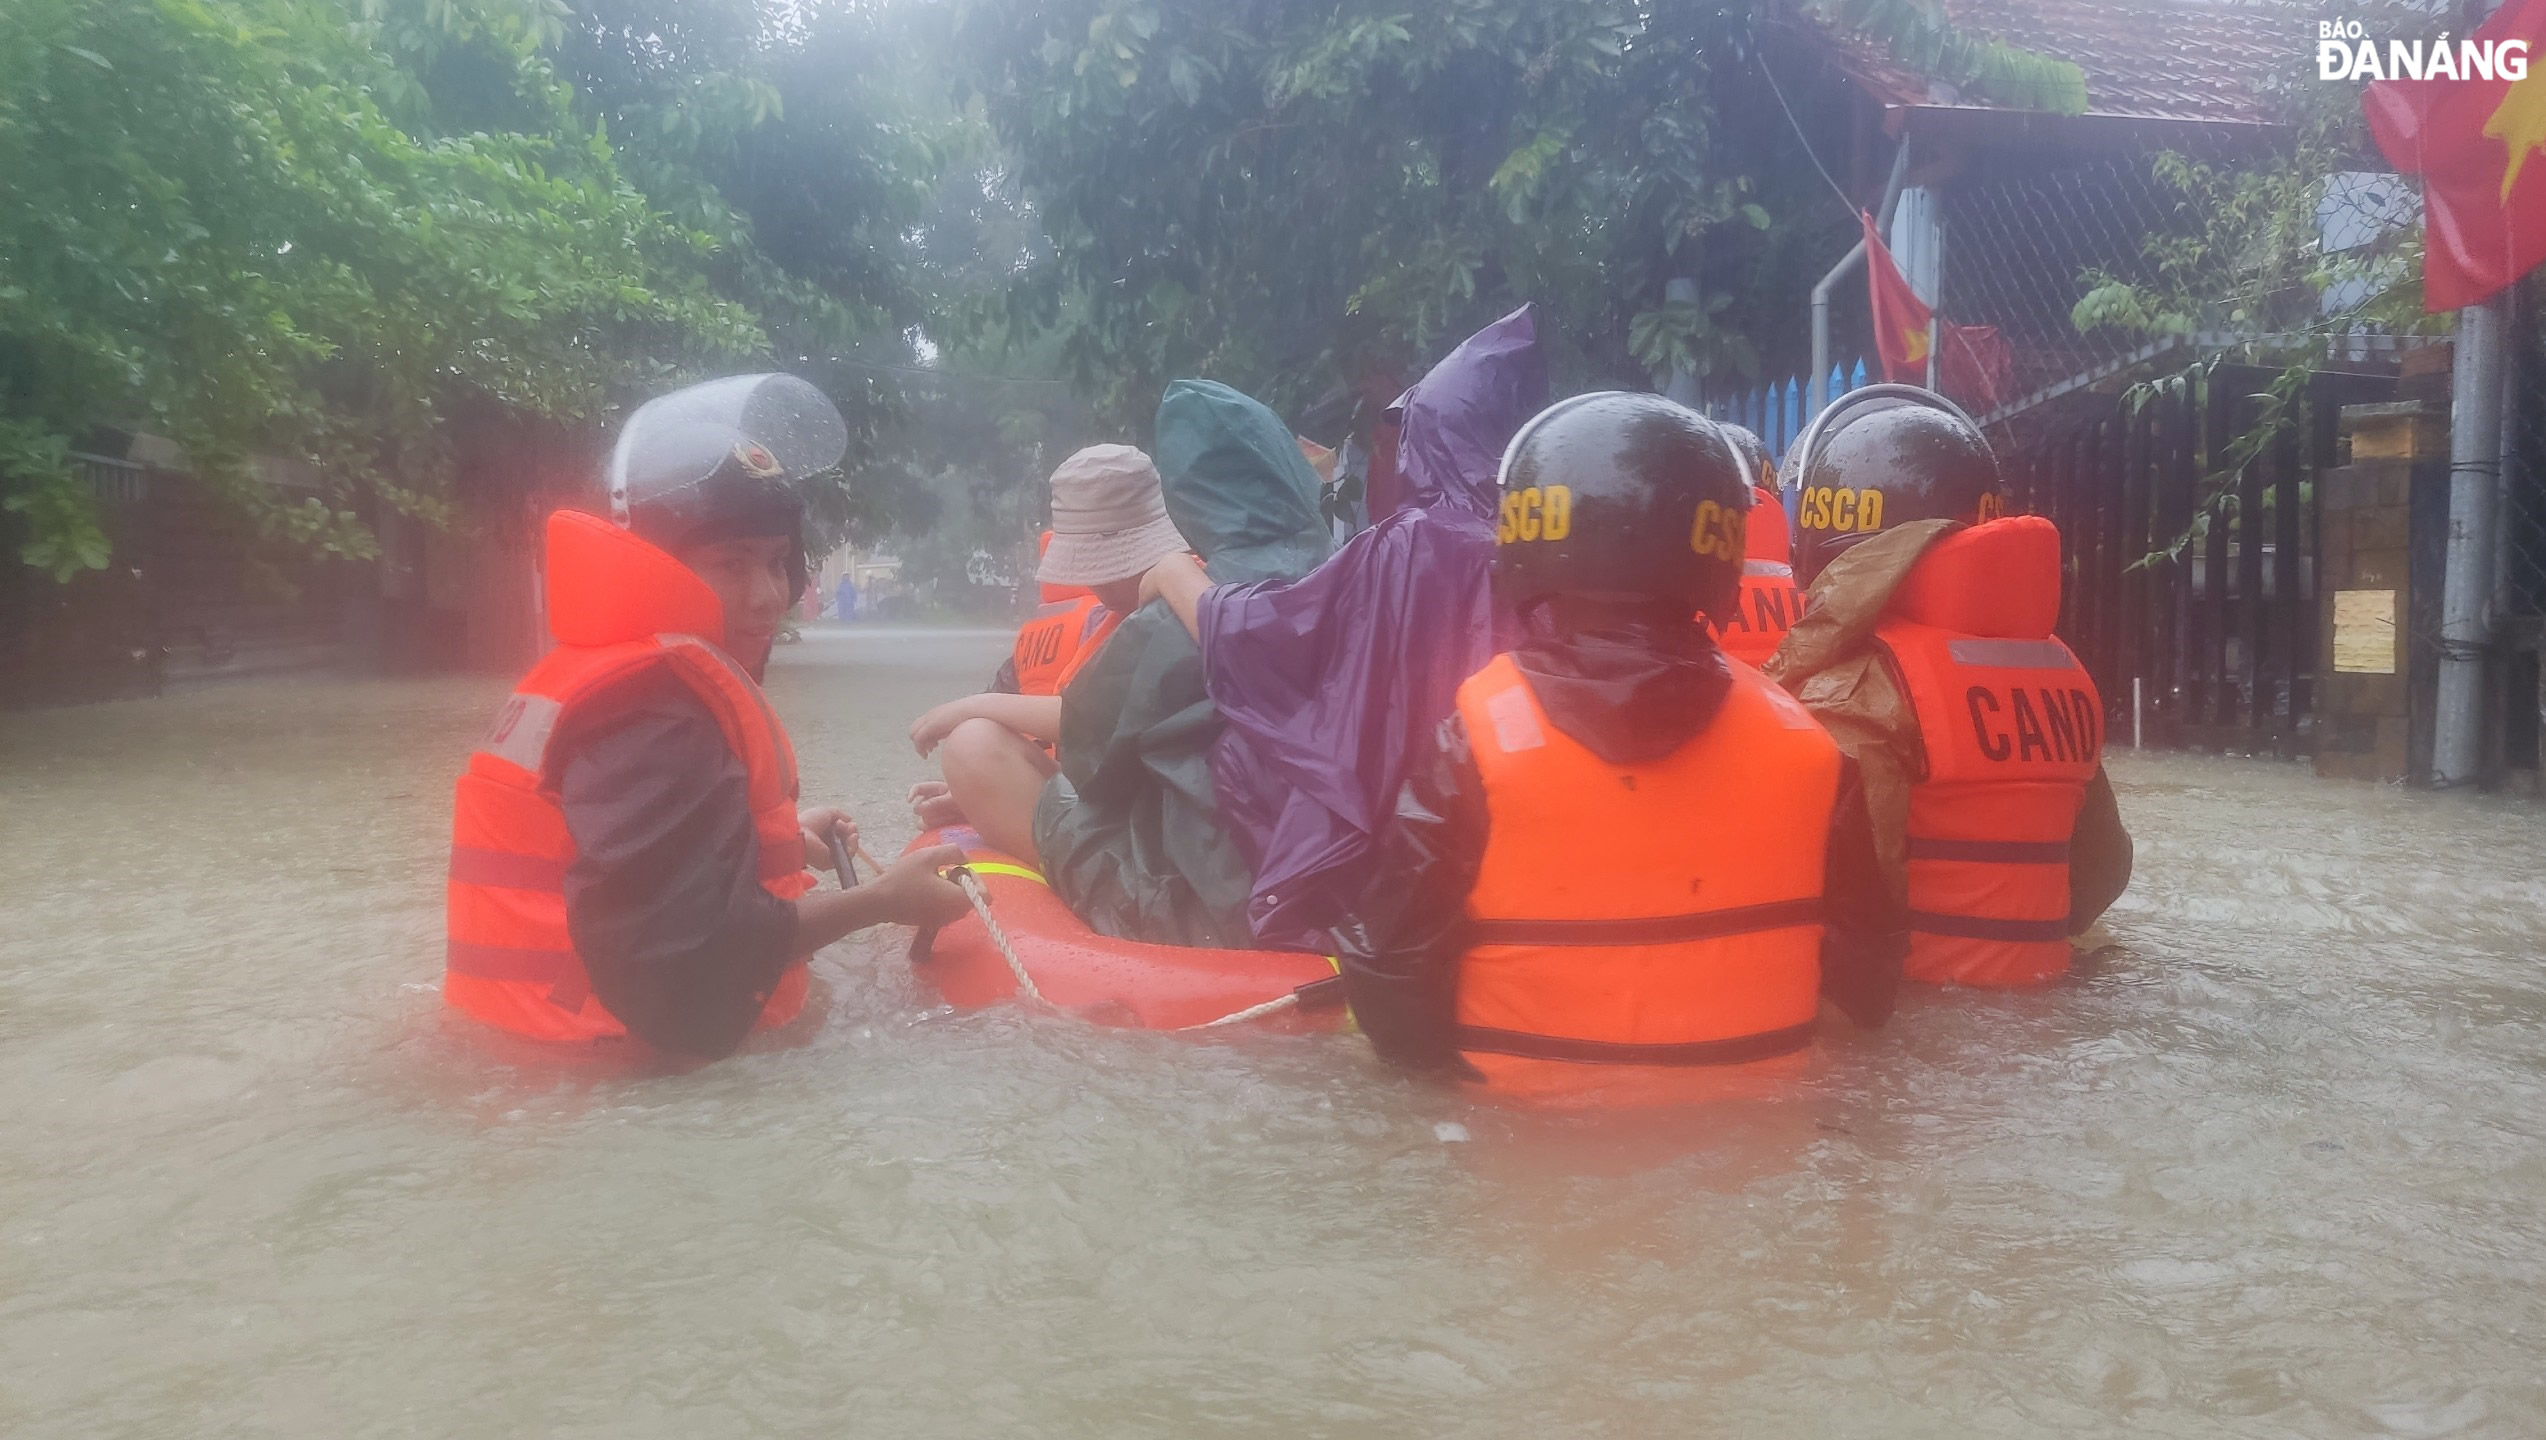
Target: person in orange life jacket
{"points": [[1623, 849], [627, 856], [1754, 453], [1751, 629], [1109, 526], [1926, 649]]}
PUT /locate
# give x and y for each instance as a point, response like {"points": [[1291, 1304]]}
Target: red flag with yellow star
{"points": [[1900, 317], [2480, 147]]}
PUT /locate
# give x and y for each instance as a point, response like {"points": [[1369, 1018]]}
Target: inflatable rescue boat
{"points": [[1069, 967]]}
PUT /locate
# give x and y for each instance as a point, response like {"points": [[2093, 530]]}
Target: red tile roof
{"points": [[2182, 60]]}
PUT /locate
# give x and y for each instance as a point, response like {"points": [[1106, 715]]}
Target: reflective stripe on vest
{"points": [[1100, 628], [1605, 926], [2012, 729], [1651, 930], [507, 870], [509, 959]]}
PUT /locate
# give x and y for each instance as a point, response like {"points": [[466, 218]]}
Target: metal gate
{"points": [[2190, 579]]}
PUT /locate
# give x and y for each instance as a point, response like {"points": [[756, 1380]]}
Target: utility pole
{"points": [[1936, 288], [2475, 488], [1683, 386]]}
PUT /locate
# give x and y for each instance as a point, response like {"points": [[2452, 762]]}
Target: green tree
{"points": [[2247, 252], [219, 230], [2246, 261], [961, 473], [807, 140], [1288, 194], [804, 141]]}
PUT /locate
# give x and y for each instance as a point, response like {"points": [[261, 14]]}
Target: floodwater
{"points": [[2278, 1168]]}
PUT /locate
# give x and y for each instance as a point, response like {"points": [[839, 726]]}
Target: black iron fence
{"points": [[2520, 567], [2191, 585]]}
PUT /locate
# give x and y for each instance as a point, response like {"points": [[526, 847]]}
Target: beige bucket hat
{"points": [[1109, 521]]}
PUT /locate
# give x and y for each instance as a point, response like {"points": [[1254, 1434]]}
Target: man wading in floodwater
{"points": [[1926, 649], [1622, 851], [627, 858]]}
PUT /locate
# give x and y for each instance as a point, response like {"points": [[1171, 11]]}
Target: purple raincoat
{"points": [[1330, 682]]}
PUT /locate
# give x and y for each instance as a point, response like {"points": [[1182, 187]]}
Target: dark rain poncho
{"points": [[1130, 832], [1330, 683]]}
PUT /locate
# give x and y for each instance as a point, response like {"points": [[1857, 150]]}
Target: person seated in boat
{"points": [[1128, 828], [627, 856], [1926, 650], [1109, 526], [1329, 684], [1758, 621], [1621, 850]]}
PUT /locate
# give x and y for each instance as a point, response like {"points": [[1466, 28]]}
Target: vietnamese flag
{"points": [[1974, 366], [2480, 147], [1900, 317]]}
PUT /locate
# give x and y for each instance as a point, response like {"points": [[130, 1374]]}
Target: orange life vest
{"points": [[1666, 913], [1050, 591], [616, 605], [1769, 604], [1063, 636], [2012, 728]]}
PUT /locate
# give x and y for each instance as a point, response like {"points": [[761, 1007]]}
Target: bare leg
{"points": [[996, 776]]}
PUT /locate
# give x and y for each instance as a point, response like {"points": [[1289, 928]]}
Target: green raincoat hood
{"points": [[1237, 485], [1130, 832]]}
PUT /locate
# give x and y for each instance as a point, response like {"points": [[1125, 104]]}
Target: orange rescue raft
{"points": [[1100, 978]]}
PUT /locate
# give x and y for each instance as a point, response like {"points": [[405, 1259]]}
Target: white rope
{"points": [[1253, 1012], [980, 899]]}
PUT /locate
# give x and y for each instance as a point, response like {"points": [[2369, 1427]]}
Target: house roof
{"points": [[2180, 61]]}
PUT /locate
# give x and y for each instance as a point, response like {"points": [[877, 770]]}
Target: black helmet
{"points": [[723, 459], [1621, 495], [1879, 458], [1763, 471]]}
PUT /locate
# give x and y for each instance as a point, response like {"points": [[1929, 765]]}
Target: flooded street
{"points": [[2277, 1168]]}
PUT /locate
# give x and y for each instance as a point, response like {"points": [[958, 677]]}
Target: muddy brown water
{"points": [[2278, 1168]]}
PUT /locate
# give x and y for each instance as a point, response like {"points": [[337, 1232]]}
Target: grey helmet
{"points": [[722, 459]]}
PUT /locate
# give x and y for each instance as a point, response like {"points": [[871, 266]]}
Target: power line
{"points": [[1800, 139]]}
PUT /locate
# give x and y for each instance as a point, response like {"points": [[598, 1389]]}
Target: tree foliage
{"points": [[320, 230], [2301, 240], [2247, 251], [2275, 254], [962, 472], [804, 139], [219, 232], [1290, 195]]}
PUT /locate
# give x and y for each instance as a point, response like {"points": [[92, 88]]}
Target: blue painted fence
{"points": [[1776, 411]]}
